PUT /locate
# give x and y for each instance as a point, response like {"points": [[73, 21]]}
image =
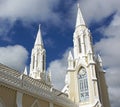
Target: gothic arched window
{"points": [[43, 66], [79, 44], [33, 61], [83, 85]]}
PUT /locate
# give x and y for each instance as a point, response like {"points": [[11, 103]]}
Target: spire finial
{"points": [[79, 21], [39, 26], [78, 5]]}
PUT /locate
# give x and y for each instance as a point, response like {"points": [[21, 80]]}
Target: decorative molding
{"points": [[94, 79], [36, 87]]}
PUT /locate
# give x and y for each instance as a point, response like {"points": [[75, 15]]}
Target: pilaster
{"points": [[19, 96], [51, 104]]}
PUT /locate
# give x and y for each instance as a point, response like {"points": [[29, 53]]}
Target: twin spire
{"points": [[39, 40], [79, 21]]}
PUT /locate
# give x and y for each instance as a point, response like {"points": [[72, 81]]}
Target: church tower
{"points": [[85, 80], [38, 59]]}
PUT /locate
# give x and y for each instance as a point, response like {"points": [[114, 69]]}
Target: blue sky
{"points": [[19, 25]]}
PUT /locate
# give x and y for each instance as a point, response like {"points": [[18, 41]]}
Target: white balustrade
{"points": [[40, 88]]}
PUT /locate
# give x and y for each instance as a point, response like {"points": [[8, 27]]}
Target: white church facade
{"points": [[85, 84]]}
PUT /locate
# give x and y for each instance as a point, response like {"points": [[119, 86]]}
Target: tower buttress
{"points": [[85, 79]]}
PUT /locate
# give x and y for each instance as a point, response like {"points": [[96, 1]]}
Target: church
{"points": [[85, 84]]}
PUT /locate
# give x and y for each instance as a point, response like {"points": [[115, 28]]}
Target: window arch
{"points": [[33, 62], [83, 85]]}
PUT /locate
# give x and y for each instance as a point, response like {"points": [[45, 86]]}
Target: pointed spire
{"points": [[39, 40], [79, 21], [25, 70]]}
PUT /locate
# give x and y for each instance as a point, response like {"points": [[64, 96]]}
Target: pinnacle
{"points": [[25, 70], [70, 56]]}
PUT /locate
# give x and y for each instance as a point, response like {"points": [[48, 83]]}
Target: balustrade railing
{"points": [[37, 87]]}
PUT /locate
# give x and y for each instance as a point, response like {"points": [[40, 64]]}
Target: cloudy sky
{"points": [[19, 22]]}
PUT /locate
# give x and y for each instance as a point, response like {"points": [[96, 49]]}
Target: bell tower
{"points": [[38, 58], [85, 81]]}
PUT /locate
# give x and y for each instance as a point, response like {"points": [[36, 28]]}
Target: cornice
{"points": [[35, 87]]}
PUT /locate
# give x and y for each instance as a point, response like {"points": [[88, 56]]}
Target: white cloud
{"points": [[97, 10], [5, 27], [14, 56], [28, 9], [113, 81], [58, 70], [109, 46], [94, 11]]}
